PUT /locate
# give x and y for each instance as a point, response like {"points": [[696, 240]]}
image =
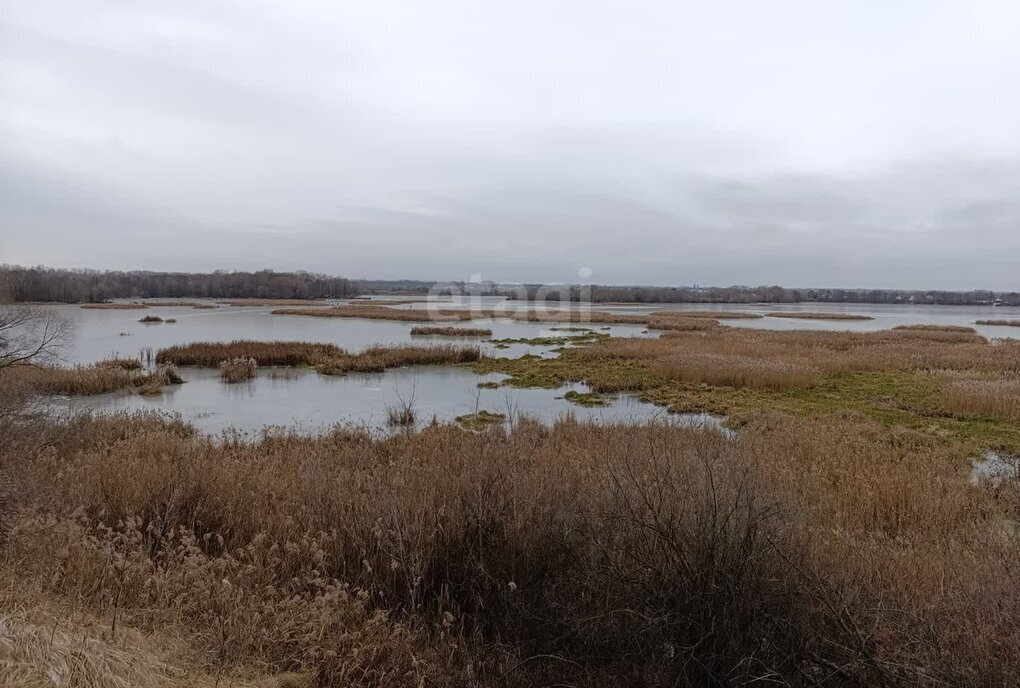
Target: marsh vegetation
{"points": [[834, 534]]}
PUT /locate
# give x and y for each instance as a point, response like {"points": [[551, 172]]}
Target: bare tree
{"points": [[29, 334]]}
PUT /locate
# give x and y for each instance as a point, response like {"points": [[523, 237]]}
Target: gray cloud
{"points": [[854, 144]]}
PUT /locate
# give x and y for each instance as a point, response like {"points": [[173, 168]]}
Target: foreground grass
{"points": [[816, 551]]}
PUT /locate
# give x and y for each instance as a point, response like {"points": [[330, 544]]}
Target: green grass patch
{"points": [[480, 420]]}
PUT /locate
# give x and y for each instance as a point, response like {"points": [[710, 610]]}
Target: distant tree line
{"points": [[764, 294], [43, 284], [89, 286]]}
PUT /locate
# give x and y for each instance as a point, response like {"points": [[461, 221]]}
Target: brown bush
{"points": [[238, 369]]}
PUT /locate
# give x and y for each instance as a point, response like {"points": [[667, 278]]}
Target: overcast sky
{"points": [[813, 143]]}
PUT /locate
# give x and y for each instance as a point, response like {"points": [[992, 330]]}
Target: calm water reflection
{"points": [[311, 402]]}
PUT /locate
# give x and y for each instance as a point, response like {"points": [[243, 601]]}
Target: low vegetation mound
{"points": [[452, 331], [935, 328], [999, 323], [806, 315], [151, 319], [589, 399], [480, 420], [210, 354]]}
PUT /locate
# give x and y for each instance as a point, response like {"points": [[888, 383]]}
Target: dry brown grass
{"points": [[577, 554], [452, 331], [830, 352], [999, 323], [806, 315], [731, 370], [782, 360], [210, 354], [100, 378], [238, 369], [112, 306], [995, 397], [376, 359]]}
